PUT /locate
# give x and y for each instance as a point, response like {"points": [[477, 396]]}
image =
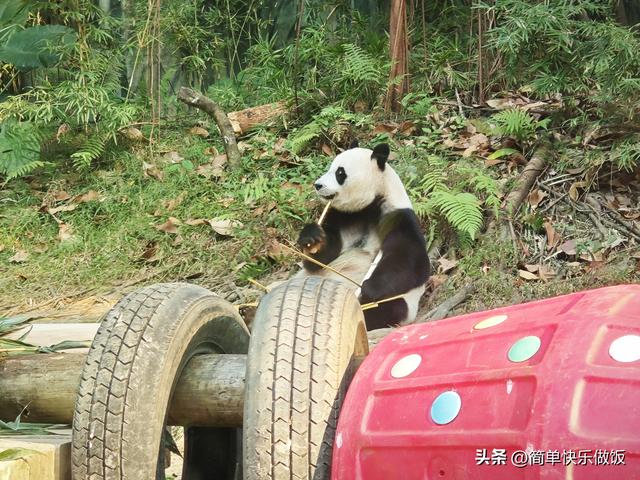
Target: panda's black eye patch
{"points": [[341, 175]]}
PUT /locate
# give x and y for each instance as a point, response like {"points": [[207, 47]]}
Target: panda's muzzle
{"points": [[319, 187]]}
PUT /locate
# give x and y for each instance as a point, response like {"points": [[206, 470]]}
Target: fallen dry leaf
{"points": [[209, 171], [474, 143], [293, 186], [274, 249], [446, 265], [151, 170], [546, 273], [170, 226], [407, 128], [65, 232], [278, 147], [568, 247], [174, 202], [19, 257], [360, 106], [384, 128], [68, 207], [62, 131], [224, 227], [573, 190], [535, 197], [492, 162], [553, 238], [226, 201], [61, 196], [196, 221], [213, 169], [437, 280], [501, 103], [173, 157], [86, 197], [199, 131], [592, 256], [528, 275], [447, 142], [150, 253], [219, 160], [532, 268], [326, 149], [132, 133]]}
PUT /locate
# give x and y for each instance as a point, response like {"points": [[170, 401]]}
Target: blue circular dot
{"points": [[445, 407], [524, 349]]}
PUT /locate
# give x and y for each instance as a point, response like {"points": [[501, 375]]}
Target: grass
{"points": [[113, 232], [117, 246], [499, 284]]}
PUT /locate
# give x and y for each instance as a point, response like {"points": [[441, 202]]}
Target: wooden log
{"points": [[190, 97], [244, 120], [210, 391]]}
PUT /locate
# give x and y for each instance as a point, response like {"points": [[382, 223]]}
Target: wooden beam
{"points": [[210, 391]]}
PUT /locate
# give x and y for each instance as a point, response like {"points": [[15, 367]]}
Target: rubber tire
{"points": [[132, 367], [305, 337]]}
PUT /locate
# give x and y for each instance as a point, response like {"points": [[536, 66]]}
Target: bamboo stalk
{"points": [[319, 263], [370, 305], [324, 213]]}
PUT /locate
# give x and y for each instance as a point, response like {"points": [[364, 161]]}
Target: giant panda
{"points": [[370, 233]]}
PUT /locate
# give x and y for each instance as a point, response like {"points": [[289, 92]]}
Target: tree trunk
{"points": [[399, 49], [244, 120]]}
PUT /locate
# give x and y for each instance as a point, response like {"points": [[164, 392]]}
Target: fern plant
{"points": [[454, 195], [517, 123], [332, 122], [19, 148], [462, 210], [91, 150]]}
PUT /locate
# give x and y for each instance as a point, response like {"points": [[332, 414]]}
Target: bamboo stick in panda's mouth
{"points": [[324, 212]]}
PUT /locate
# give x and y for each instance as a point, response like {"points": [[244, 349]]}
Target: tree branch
{"points": [[190, 97]]}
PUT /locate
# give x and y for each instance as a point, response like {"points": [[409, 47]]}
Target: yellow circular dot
{"points": [[490, 322]]}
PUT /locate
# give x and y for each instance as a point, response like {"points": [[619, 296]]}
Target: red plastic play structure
{"points": [[548, 389]]}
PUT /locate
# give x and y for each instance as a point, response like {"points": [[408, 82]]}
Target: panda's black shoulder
{"points": [[402, 223]]}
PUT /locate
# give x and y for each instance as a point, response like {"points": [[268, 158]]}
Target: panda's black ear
{"points": [[354, 144], [381, 154]]}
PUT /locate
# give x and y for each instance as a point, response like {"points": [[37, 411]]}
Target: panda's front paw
{"points": [[312, 238]]}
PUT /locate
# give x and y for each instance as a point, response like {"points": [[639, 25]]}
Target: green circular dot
{"points": [[524, 349]]}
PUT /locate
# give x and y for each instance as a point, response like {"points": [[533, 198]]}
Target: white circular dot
{"points": [[490, 322], [625, 349], [406, 365]]}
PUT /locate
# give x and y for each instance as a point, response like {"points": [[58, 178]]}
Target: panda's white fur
{"points": [[369, 184], [366, 182]]}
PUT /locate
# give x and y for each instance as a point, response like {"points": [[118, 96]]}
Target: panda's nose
{"points": [[318, 186]]}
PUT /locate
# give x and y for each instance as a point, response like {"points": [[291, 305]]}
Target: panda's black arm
{"points": [[404, 264], [326, 237]]}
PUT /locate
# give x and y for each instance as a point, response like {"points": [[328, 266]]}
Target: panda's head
{"points": [[355, 178]]}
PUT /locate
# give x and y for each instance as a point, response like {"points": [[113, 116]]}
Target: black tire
{"points": [[305, 339], [127, 383]]}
